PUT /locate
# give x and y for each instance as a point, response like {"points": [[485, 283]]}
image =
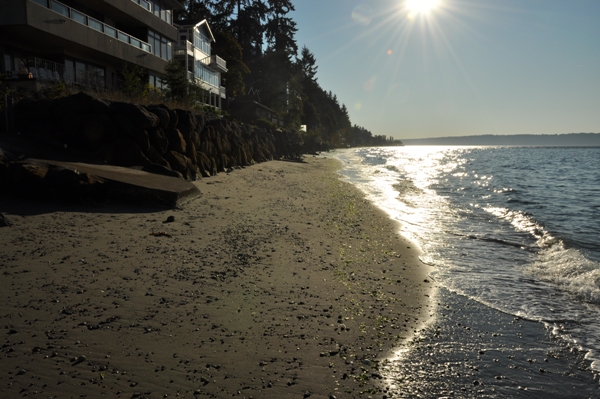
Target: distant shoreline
{"points": [[547, 140]]}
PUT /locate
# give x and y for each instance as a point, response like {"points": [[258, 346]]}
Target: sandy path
{"points": [[280, 281]]}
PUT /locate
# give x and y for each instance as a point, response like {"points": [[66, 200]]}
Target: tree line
{"points": [[257, 39]]}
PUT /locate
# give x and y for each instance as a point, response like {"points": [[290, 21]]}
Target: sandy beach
{"points": [[280, 281]]}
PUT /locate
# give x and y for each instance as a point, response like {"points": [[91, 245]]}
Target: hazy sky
{"points": [[465, 67]]}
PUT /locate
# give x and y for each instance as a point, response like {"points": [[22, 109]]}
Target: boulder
{"points": [[136, 114], [124, 151], [176, 140], [186, 122], [162, 112], [94, 130], [126, 128], [173, 119], [178, 163], [77, 104], [156, 158], [158, 139]]}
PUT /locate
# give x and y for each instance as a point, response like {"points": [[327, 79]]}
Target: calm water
{"points": [[514, 228]]}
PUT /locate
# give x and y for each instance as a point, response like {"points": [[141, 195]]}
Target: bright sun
{"points": [[421, 6]]}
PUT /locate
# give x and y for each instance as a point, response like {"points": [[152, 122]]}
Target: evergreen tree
{"points": [[230, 50], [176, 79]]}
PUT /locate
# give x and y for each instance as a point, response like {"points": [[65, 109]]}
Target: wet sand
{"points": [[473, 351], [280, 281]]}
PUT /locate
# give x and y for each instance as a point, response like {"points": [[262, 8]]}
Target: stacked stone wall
{"points": [[159, 139]]}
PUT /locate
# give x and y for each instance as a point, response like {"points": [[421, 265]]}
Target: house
{"points": [[83, 42], [249, 111], [193, 50]]}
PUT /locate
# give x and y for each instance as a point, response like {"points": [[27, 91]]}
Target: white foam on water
{"points": [[570, 271]]}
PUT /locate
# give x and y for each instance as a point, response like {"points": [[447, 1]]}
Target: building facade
{"points": [[194, 51], [86, 42]]}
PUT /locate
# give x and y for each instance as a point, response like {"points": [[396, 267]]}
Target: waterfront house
{"points": [[194, 51], [85, 43]]}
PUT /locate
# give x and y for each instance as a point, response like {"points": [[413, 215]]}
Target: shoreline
{"points": [[280, 281]]}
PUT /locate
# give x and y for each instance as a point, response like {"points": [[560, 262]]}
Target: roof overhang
{"points": [[187, 25], [173, 5]]}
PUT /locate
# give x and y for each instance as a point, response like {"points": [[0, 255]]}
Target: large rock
{"points": [[176, 141], [126, 128], [94, 130], [77, 104], [137, 114], [155, 157], [179, 163], [162, 112], [123, 151], [158, 140], [186, 122]]}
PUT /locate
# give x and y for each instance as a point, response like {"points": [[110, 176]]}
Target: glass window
{"points": [[41, 2], [59, 8], [7, 63], [123, 37], [163, 49], [145, 4], [110, 31], [94, 24], [69, 74], [136, 43], [79, 17]]}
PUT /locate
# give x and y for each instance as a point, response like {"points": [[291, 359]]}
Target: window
{"points": [[161, 47], [123, 37], [79, 17], [59, 8], [206, 75], [201, 42], [110, 31], [94, 24], [41, 2]]}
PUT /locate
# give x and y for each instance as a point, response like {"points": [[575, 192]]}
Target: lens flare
{"points": [[362, 14]]}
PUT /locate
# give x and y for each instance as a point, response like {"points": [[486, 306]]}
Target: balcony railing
{"points": [[92, 23], [215, 62], [184, 47], [150, 6], [49, 71]]}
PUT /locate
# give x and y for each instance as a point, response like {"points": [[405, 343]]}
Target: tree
{"points": [[230, 50], [175, 77], [308, 64]]}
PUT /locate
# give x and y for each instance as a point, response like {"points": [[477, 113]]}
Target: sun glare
{"points": [[421, 6]]}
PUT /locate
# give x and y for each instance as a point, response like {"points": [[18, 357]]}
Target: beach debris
{"points": [[160, 234], [4, 221], [170, 219]]}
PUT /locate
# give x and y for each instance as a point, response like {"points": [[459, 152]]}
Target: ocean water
{"points": [[516, 229]]}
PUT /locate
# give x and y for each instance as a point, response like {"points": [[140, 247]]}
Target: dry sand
{"points": [[280, 281]]}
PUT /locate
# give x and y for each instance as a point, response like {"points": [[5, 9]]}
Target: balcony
{"points": [[215, 62], [184, 47], [43, 70], [92, 23]]}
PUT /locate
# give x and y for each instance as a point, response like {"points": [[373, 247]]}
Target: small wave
{"points": [[571, 271], [490, 239], [406, 186]]}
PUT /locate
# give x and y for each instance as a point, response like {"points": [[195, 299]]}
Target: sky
{"points": [[465, 67]]}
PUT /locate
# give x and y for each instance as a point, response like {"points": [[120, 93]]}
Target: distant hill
{"points": [[552, 140]]}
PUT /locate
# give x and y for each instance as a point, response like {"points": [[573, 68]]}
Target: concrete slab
{"points": [[134, 185]]}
